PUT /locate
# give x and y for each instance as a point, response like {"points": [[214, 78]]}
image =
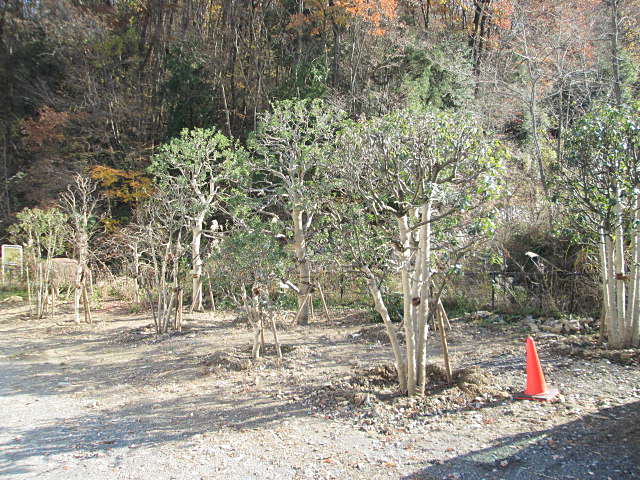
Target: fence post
{"points": [[573, 291], [493, 291]]}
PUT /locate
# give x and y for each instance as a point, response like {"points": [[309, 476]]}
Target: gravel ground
{"points": [[110, 401]]}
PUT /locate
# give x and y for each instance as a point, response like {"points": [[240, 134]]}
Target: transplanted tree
{"points": [[601, 176], [409, 179], [250, 256], [198, 162], [157, 237], [79, 202], [43, 233], [288, 151]]}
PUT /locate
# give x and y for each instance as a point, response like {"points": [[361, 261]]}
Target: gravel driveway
{"points": [[108, 401]]}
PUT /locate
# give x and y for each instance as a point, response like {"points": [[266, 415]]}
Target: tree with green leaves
{"points": [[156, 237], [601, 180], [289, 148], [200, 163], [42, 232], [417, 191], [249, 257]]}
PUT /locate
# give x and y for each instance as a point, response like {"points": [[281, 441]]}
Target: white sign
{"points": [[11, 258]]}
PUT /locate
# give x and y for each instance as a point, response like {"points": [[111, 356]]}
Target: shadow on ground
{"points": [[602, 446]]}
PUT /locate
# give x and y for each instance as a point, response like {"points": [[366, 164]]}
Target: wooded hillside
{"points": [[104, 83]]}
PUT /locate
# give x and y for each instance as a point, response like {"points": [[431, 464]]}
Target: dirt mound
{"points": [[147, 334], [270, 349], [374, 334], [474, 380], [223, 360], [372, 396], [380, 375], [470, 381]]}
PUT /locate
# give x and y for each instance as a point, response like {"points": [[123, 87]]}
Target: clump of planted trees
{"points": [[419, 194], [601, 175], [400, 200], [47, 234]]}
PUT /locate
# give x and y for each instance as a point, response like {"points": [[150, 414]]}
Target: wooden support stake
{"points": [[29, 291], [295, 319], [175, 314], [213, 303], [255, 351], [91, 289], [275, 337], [262, 341], [447, 323], [181, 307], [53, 302], [87, 309], [324, 303], [311, 314], [602, 333], [443, 339], [179, 311]]}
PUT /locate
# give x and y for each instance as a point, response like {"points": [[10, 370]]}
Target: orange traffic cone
{"points": [[536, 385]]}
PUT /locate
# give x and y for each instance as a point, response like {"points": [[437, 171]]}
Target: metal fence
{"points": [[552, 291]]}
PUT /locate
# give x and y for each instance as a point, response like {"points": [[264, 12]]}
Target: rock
{"points": [[552, 325], [529, 323], [571, 325], [361, 398]]}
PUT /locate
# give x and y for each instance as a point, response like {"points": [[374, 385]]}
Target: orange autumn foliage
{"points": [[502, 12], [125, 185], [372, 12], [321, 15]]}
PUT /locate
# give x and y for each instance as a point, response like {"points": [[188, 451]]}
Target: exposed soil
{"points": [[112, 401]]}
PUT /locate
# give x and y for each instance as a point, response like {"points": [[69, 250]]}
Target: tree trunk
{"points": [[136, 270], [634, 315], [251, 308], [304, 272], [335, 65], [615, 53], [426, 12], [538, 150], [196, 262], [619, 273], [409, 306], [77, 293], [87, 308], [401, 368], [606, 319], [613, 332], [479, 32], [423, 308]]}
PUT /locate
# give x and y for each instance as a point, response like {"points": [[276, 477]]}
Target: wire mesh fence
{"points": [[526, 292]]}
